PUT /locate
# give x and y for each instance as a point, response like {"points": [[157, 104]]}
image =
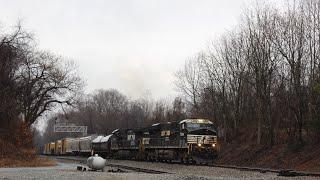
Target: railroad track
{"points": [[81, 160], [136, 169], [280, 172], [130, 168]]}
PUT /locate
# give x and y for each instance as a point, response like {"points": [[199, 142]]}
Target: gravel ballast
{"points": [[67, 170]]}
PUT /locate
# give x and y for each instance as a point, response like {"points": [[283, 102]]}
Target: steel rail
{"points": [[280, 172], [151, 171]]}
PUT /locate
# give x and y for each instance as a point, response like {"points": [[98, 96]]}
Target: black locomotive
{"points": [[188, 141]]}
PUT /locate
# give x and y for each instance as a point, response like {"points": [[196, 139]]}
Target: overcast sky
{"points": [[131, 45]]}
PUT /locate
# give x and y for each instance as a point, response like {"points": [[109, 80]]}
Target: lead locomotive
{"points": [[189, 141]]}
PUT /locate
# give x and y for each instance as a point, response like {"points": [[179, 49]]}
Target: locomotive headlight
{"points": [[213, 145], [199, 145]]}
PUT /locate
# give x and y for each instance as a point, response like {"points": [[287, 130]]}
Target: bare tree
{"points": [[188, 81], [290, 42], [11, 46], [44, 81]]}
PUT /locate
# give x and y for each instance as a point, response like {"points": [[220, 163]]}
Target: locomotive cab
{"points": [[201, 138]]}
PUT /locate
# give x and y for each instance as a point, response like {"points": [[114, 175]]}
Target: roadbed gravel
{"points": [[204, 172], [67, 170]]}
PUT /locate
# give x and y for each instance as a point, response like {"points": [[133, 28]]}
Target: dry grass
{"points": [[36, 162]]}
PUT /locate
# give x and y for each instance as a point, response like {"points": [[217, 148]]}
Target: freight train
{"points": [[188, 141]]}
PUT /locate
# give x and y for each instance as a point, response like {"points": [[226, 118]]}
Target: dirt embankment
{"points": [[11, 161], [282, 156]]}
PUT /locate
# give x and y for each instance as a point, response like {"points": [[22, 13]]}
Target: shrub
{"points": [[18, 143]]}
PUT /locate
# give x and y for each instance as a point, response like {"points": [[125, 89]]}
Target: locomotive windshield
{"points": [[196, 126]]}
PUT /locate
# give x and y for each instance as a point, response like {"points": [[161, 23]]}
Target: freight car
{"points": [[85, 145], [65, 149], [70, 146], [58, 147], [53, 148], [49, 148], [102, 145], [46, 149], [189, 141]]}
